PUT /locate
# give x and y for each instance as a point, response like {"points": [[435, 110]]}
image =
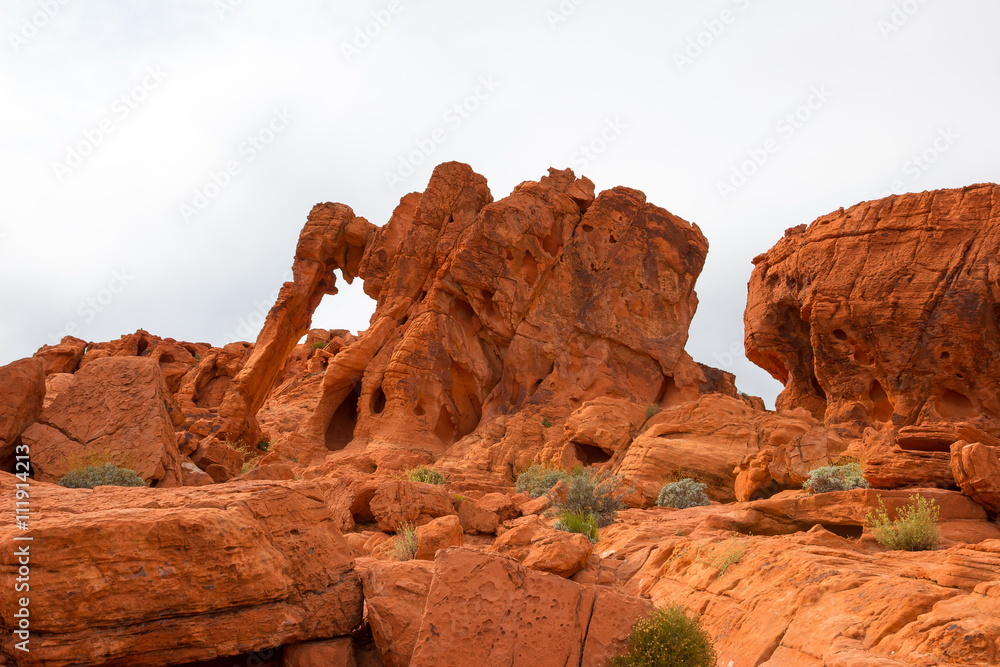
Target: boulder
{"points": [[280, 572], [976, 468], [500, 613], [22, 390], [192, 475], [477, 519], [62, 358], [115, 411], [212, 451], [532, 542], [399, 502], [54, 385], [395, 594], [440, 533]]}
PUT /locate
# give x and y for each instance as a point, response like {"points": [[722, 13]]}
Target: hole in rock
{"points": [[361, 507], [588, 228], [445, 427], [465, 394], [554, 239], [530, 266], [861, 357], [612, 239], [508, 254], [818, 388], [882, 407], [839, 334], [341, 428], [142, 345], [768, 490], [590, 455], [166, 358], [462, 312], [847, 532], [945, 354], [954, 405], [922, 444], [378, 401], [419, 411], [489, 310]]}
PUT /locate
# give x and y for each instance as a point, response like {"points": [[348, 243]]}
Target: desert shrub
{"points": [[651, 410], [594, 493], [404, 545], [836, 478], [318, 344], [425, 474], [546, 423], [538, 479], [578, 522], [683, 493], [914, 529], [100, 475], [726, 554], [668, 638], [264, 445]]}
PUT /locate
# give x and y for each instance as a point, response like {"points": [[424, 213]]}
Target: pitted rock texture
{"points": [[497, 318], [884, 316]]}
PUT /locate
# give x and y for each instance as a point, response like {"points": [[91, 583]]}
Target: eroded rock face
{"points": [[495, 319], [883, 316], [169, 576], [117, 410]]}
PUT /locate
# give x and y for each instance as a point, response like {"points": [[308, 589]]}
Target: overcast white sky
{"points": [[115, 115]]}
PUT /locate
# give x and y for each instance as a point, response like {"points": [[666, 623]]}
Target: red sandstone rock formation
{"points": [[884, 317]]}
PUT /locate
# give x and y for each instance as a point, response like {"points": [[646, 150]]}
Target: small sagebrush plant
{"points": [[538, 479], [600, 494], [683, 493], [651, 410], [914, 529], [579, 522], [318, 344], [404, 545], [425, 474], [836, 478], [668, 638], [100, 475]]}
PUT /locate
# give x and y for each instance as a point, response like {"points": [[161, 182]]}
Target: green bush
{"points": [[668, 638], [546, 423], [651, 410], [102, 475], [264, 445], [914, 529], [318, 344], [578, 522], [404, 545], [683, 493], [538, 479], [425, 474], [836, 478], [594, 493]]}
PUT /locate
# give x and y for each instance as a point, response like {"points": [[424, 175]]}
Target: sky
{"points": [[159, 158]]}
